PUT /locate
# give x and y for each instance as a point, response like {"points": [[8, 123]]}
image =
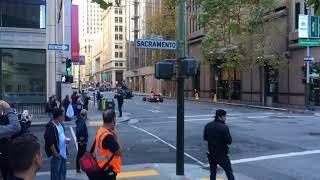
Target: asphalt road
{"points": [[266, 144]]}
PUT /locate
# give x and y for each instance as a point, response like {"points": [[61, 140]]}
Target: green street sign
{"points": [[314, 29], [309, 42], [104, 76]]}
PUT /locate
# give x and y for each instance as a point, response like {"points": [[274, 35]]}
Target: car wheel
{"points": [[144, 99]]}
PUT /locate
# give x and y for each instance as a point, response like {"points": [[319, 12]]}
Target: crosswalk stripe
{"points": [[138, 174], [206, 178]]}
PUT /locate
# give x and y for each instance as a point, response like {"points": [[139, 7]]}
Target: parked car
{"points": [[153, 98]]}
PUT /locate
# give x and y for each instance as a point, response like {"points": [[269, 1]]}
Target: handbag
{"points": [[89, 164]]}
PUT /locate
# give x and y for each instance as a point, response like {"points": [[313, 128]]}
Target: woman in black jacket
{"points": [[82, 136]]}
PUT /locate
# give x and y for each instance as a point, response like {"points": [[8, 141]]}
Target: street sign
{"points": [[58, 47], [309, 42], [303, 26], [314, 27], [308, 58], [156, 44]]}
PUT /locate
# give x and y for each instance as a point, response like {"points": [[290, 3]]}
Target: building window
{"points": [[120, 28], [116, 46], [120, 19], [116, 36], [297, 12], [116, 19], [23, 14], [116, 11], [121, 55], [121, 64], [120, 37], [116, 64], [116, 54], [19, 81], [120, 11], [116, 28]]}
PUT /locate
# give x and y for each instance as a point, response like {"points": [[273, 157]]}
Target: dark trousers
{"points": [[102, 176], [81, 150], [58, 168], [120, 109], [223, 162]]}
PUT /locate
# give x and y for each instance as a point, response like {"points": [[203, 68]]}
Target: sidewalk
{"points": [[224, 102], [153, 172], [94, 117]]}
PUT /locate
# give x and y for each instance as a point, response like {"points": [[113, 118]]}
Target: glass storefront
{"points": [[23, 13], [23, 75]]}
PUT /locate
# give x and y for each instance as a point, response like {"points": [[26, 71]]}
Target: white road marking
{"points": [[257, 117], [170, 145], [274, 156], [154, 111], [74, 137]]}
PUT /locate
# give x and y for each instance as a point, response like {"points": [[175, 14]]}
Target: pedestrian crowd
{"points": [[20, 151]]}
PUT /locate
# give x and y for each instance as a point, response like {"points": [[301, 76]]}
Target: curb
{"points": [[242, 105]]}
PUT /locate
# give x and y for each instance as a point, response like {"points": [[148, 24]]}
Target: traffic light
{"points": [[67, 79], [304, 70], [68, 66], [190, 67], [164, 70]]}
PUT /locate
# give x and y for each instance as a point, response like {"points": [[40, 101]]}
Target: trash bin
{"points": [[269, 101], [103, 104], [110, 104]]}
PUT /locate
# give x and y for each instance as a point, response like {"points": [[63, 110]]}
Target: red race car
{"points": [[153, 98]]}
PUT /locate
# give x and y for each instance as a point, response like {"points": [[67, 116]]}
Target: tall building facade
{"points": [[30, 73], [140, 62], [90, 25], [113, 61], [253, 85]]}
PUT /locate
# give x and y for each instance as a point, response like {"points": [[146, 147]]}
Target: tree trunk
{"points": [[229, 86]]}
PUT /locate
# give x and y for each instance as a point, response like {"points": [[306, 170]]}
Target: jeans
{"points": [[58, 168], [223, 162], [81, 150], [120, 110]]}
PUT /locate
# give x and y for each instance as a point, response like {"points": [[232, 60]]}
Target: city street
{"points": [[266, 144]]}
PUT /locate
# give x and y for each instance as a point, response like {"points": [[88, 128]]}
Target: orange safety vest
{"points": [[102, 155]]}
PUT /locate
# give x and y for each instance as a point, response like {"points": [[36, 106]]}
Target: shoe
{"points": [[79, 171]]}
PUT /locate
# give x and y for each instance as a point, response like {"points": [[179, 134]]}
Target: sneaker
{"points": [[79, 171]]}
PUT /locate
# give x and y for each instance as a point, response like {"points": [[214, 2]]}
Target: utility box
{"points": [[163, 70], [190, 67]]}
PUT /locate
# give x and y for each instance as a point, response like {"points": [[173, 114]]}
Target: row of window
{"points": [[118, 64], [118, 20], [118, 54], [118, 37], [118, 11], [118, 28]]}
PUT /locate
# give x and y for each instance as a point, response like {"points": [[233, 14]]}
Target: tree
{"points": [[103, 4], [221, 46], [162, 23], [315, 4]]}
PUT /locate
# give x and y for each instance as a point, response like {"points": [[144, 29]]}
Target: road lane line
{"points": [[170, 145], [74, 137], [138, 174], [274, 156]]}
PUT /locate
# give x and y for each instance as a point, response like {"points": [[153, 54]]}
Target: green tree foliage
{"points": [[103, 4], [162, 23], [316, 5]]}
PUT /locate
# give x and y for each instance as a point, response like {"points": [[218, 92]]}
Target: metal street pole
{"points": [[180, 89], [79, 77], [307, 88]]}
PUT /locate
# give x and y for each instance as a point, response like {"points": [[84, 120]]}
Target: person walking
{"points": [[86, 102], [56, 145], [120, 100], [65, 104], [82, 136], [25, 157], [80, 104], [107, 149], [217, 134]]}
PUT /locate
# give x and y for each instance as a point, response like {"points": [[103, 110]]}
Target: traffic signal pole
{"points": [[307, 87], [180, 89]]}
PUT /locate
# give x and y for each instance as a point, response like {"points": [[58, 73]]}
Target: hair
{"points": [[83, 113], [57, 112], [108, 116], [220, 113], [22, 152]]}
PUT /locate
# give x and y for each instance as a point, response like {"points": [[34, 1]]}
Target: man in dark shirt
{"points": [[119, 97], [25, 157], [82, 136], [218, 136]]}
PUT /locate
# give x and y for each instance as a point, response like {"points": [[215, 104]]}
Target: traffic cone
{"points": [[197, 97], [215, 99]]}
